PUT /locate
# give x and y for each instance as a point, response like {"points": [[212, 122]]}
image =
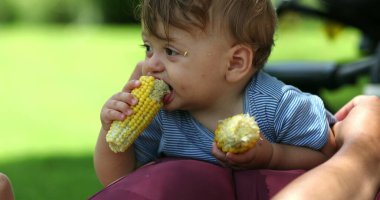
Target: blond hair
{"points": [[250, 22]]}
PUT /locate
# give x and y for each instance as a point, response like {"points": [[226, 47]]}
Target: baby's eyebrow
{"points": [[168, 39], [172, 39]]}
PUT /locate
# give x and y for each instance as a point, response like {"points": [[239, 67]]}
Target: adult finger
{"points": [[358, 100]]}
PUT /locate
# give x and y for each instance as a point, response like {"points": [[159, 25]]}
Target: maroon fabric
{"points": [[262, 184], [172, 180], [183, 179]]}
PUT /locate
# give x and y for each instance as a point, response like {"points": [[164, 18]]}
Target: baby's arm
{"points": [[294, 157], [110, 166], [272, 156]]}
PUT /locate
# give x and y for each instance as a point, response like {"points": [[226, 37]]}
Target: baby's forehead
{"points": [[172, 33]]}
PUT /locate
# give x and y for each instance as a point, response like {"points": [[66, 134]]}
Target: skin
{"points": [[213, 64], [354, 171], [6, 191]]}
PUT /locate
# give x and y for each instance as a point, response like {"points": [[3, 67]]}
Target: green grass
{"points": [[53, 83], [52, 177], [54, 80]]}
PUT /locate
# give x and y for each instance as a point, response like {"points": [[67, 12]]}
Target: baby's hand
{"points": [[258, 157], [119, 105]]}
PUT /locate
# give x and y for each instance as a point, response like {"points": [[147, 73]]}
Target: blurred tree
{"points": [[67, 11], [119, 11], [6, 14], [70, 11], [50, 11]]}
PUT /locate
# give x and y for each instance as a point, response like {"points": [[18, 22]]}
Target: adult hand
{"points": [[359, 121], [354, 171]]}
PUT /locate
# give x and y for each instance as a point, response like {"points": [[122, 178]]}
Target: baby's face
{"points": [[193, 64]]}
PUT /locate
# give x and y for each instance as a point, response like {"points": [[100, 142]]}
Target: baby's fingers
{"points": [[220, 155], [122, 101], [241, 158], [115, 110], [118, 107], [107, 116], [131, 85], [112, 115]]}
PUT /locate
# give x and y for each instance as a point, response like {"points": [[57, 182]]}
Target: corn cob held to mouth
{"points": [[122, 134], [237, 134]]}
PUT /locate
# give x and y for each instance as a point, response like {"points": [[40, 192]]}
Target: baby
{"points": [[211, 53]]}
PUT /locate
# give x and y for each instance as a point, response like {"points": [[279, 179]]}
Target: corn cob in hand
{"points": [[237, 134], [122, 134]]}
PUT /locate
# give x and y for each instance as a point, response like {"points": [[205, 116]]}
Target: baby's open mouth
{"points": [[168, 96]]}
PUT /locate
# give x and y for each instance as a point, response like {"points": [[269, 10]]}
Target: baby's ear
{"points": [[240, 63]]}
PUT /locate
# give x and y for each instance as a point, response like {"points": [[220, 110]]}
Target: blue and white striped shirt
{"points": [[283, 113]]}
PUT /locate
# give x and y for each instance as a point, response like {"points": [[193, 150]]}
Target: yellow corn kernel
{"points": [[237, 134], [122, 134]]}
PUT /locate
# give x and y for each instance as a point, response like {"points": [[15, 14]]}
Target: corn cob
{"points": [[122, 134], [237, 134]]}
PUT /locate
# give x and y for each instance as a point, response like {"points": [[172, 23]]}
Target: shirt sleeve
{"points": [[147, 143], [300, 119]]}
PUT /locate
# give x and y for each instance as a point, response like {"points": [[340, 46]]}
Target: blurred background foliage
{"points": [[61, 59], [68, 11], [73, 11]]}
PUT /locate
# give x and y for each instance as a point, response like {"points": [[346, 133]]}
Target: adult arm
{"points": [[354, 171]]}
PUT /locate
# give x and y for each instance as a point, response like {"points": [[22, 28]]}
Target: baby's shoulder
{"points": [[265, 85]]}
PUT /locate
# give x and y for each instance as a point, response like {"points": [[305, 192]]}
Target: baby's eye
{"points": [[171, 52], [147, 47]]}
